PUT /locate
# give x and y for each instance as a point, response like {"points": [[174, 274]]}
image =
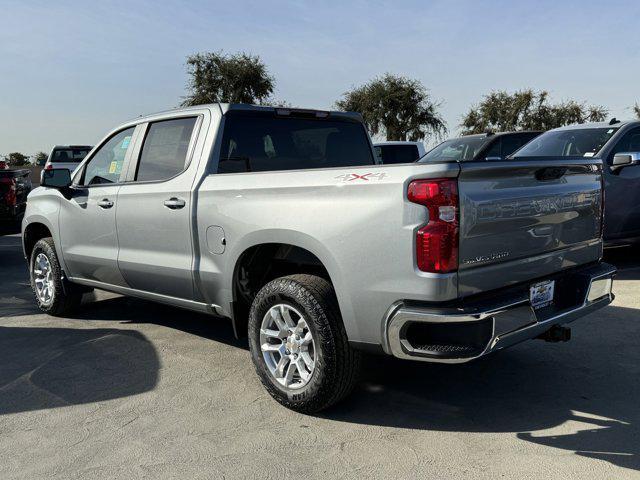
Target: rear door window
{"points": [[264, 141], [165, 148], [391, 154]]}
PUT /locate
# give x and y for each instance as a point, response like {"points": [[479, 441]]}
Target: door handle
{"points": [[105, 203], [174, 203]]}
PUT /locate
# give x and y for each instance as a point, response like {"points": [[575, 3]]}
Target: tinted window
{"points": [[258, 142], [60, 155], [585, 142], [511, 143], [458, 149], [629, 143], [164, 151], [397, 153], [106, 165], [495, 150]]}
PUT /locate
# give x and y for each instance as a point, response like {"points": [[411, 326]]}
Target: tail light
{"points": [[437, 241], [49, 167], [10, 195]]}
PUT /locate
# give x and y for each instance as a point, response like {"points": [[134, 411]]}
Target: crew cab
{"points": [[282, 221], [481, 147], [617, 144]]}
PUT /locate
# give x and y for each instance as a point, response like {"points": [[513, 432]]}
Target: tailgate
{"points": [[522, 220]]}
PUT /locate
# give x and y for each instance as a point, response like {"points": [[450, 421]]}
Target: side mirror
{"points": [[56, 178], [626, 159]]}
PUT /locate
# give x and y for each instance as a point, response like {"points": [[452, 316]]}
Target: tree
{"points": [[527, 110], [636, 110], [40, 158], [398, 107], [217, 77], [16, 159]]}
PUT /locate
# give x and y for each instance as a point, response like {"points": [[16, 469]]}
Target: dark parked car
{"points": [[15, 185], [481, 147], [618, 145], [399, 152]]}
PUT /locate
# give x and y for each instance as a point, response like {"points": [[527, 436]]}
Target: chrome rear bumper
{"points": [[493, 325]]}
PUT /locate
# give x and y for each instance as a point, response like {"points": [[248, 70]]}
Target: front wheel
{"points": [[46, 280], [299, 345]]}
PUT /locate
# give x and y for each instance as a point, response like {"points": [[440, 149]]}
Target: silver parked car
{"points": [[282, 221]]}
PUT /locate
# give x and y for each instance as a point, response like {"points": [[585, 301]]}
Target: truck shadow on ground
{"points": [[581, 396], [43, 368]]}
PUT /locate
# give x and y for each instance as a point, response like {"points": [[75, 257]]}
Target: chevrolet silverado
{"points": [[282, 221]]}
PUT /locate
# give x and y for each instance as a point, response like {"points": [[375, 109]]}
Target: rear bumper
{"points": [[476, 327]]}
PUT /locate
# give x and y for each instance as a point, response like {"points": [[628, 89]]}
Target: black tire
{"points": [[337, 364], [64, 298]]}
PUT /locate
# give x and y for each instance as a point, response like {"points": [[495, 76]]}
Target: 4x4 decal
{"points": [[350, 177]]}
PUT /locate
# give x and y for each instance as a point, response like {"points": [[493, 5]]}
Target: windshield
{"points": [[585, 142], [60, 155], [458, 149]]}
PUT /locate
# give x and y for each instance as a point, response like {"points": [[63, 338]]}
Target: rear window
{"points": [[397, 153], [458, 149], [260, 142], [60, 155], [586, 142]]}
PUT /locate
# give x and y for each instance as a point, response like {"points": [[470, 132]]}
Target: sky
{"points": [[72, 70]]}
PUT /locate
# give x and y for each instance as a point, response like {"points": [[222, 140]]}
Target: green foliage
{"points": [[527, 110], [40, 158], [16, 159], [399, 107], [218, 77]]}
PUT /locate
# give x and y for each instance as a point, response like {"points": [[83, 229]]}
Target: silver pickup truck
{"points": [[281, 220]]}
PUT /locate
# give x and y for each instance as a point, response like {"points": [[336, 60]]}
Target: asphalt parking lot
{"points": [[129, 389]]}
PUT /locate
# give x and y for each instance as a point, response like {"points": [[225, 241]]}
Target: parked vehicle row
{"points": [[285, 222], [617, 145]]}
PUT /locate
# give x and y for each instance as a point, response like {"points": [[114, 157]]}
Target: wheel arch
{"points": [[32, 233], [272, 257]]}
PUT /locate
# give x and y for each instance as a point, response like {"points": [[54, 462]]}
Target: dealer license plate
{"points": [[541, 294]]}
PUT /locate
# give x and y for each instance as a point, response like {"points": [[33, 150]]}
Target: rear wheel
{"points": [[299, 345], [46, 280]]}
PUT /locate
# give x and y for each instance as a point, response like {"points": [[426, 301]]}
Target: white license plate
{"points": [[541, 294]]}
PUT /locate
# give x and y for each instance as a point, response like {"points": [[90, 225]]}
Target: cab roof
{"points": [[284, 111]]}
